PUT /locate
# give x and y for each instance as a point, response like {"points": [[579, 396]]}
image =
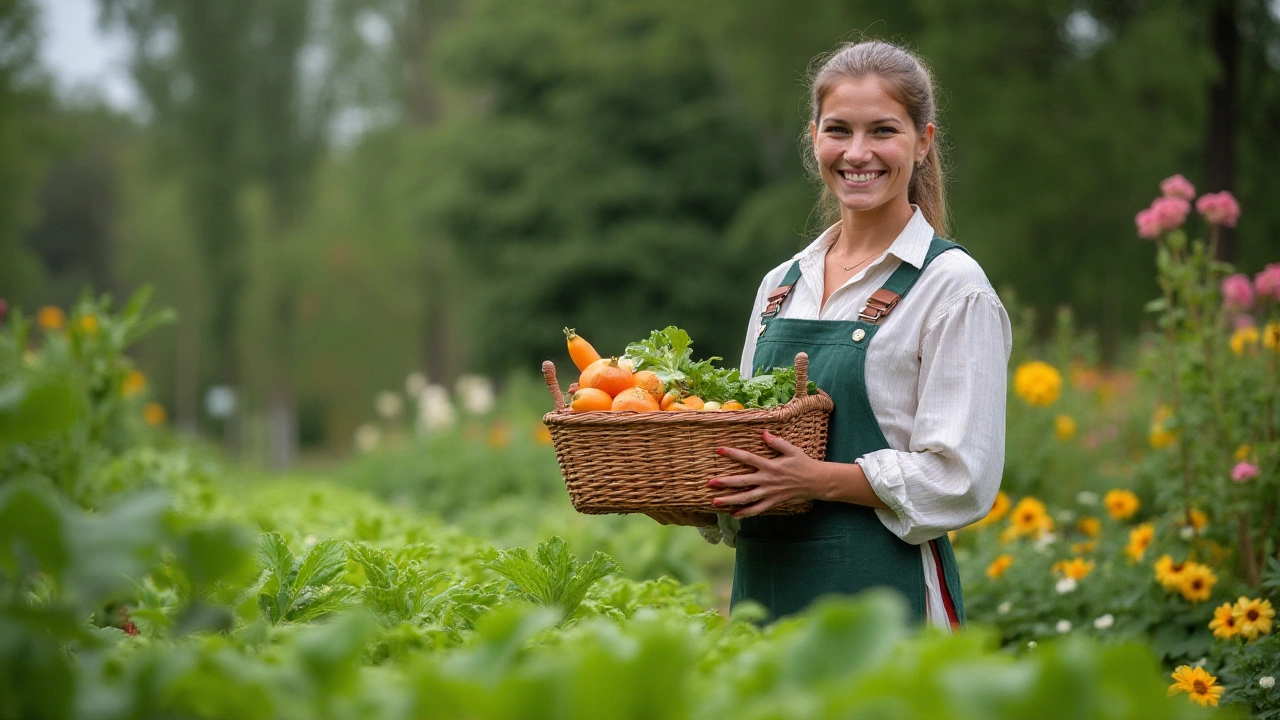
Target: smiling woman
{"points": [[916, 441]]}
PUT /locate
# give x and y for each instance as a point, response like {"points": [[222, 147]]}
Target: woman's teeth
{"points": [[859, 177]]}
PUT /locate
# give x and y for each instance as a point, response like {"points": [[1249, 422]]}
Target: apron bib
{"points": [[785, 562]]}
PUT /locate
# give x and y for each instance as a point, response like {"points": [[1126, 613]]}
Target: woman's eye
{"points": [[885, 130]]}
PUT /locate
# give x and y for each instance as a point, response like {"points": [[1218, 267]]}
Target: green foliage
{"points": [[298, 589], [552, 576]]}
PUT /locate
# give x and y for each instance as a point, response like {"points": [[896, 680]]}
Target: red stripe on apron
{"points": [[942, 586]]}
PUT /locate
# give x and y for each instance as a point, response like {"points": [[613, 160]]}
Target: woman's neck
{"points": [[863, 232]]}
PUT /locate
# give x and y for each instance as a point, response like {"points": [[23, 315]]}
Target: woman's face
{"points": [[866, 145]]}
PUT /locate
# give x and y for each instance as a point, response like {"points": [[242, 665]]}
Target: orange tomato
{"points": [[635, 398], [693, 402], [668, 399], [649, 381], [589, 400], [607, 375], [732, 405], [580, 351]]}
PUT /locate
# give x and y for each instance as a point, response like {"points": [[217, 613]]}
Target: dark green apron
{"points": [[785, 562]]}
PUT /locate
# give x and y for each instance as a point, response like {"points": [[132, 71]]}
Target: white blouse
{"points": [[936, 374]]}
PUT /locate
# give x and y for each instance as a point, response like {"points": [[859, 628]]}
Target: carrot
{"points": [[580, 351]]}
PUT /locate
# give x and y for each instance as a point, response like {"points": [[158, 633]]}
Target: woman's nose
{"points": [[858, 150]]}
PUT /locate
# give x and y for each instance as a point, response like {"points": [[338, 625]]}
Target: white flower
{"points": [[1201, 662], [367, 438], [1044, 541], [1267, 682], [1032, 644], [475, 394], [1065, 516], [388, 405], [415, 384], [1086, 498], [1105, 621], [1186, 532], [1004, 607], [1063, 626], [435, 410], [1065, 585]]}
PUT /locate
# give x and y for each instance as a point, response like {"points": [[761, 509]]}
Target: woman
{"points": [[905, 333]]}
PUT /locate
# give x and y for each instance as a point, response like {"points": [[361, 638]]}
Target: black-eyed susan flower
{"points": [[1075, 568], [999, 509], [1169, 573], [1090, 526], [1139, 540], [1037, 383], [999, 565], [1271, 336], [1197, 683], [1121, 504], [1244, 339], [1253, 617], [1197, 582], [50, 317], [1030, 518], [134, 383], [1223, 623]]}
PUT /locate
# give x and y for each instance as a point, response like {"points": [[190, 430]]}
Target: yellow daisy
{"points": [[1161, 436], [1121, 504], [89, 324], [1197, 683], [999, 509], [1253, 616], [999, 565], [1223, 624], [1075, 568], [1090, 526], [50, 317], [1271, 336], [134, 383], [1169, 573], [1037, 383], [154, 414], [1139, 540], [1030, 517], [1064, 427], [1243, 339], [1197, 582]]}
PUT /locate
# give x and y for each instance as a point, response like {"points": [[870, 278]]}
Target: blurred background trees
{"points": [[336, 192]]}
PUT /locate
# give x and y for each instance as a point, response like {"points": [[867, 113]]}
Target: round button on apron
{"points": [[859, 334]]}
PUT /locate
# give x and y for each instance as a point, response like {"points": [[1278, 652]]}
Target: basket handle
{"points": [[553, 385], [802, 374]]}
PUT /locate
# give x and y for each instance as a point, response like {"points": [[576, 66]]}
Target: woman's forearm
{"points": [[846, 482]]}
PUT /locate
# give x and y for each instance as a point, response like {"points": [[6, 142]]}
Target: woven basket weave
{"points": [[630, 462]]}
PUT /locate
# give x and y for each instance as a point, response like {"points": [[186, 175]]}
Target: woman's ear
{"points": [[926, 142]]}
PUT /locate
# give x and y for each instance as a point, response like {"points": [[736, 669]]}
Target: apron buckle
{"points": [[775, 301], [878, 305]]}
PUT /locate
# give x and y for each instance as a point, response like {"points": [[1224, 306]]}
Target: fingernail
{"points": [[713, 483], [768, 435], [721, 451], [717, 502]]}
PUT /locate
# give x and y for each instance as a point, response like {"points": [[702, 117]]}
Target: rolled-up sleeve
{"points": [[949, 475]]}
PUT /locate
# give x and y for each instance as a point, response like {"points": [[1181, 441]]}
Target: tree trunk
{"points": [[1220, 158]]}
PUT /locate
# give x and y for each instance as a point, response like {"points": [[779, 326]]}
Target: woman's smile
{"points": [[860, 178]]}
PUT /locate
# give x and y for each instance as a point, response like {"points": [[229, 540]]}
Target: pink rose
{"points": [[1178, 187], [1219, 208], [1147, 225], [1267, 282], [1170, 212], [1237, 292], [1244, 471]]}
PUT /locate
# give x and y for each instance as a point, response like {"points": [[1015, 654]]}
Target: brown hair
{"points": [[911, 84]]}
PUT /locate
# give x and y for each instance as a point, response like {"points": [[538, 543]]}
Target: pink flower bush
{"points": [[1267, 282], [1244, 471], [1178, 187], [1237, 292], [1219, 208], [1166, 214]]}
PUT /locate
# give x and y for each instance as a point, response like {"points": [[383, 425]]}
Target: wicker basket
{"points": [[630, 462]]}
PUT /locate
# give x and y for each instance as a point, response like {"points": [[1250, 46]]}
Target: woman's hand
{"points": [[792, 476], [691, 519]]}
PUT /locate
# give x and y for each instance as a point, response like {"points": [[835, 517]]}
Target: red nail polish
{"points": [[721, 451], [717, 502]]}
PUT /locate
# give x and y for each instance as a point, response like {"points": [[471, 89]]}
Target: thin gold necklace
{"points": [[847, 268]]}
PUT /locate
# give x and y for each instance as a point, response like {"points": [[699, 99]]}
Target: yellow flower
{"points": [[1169, 573], [1197, 582], [1244, 338], [134, 383], [1253, 617], [999, 509], [1009, 534], [1083, 548], [89, 324], [542, 435], [1029, 517], [154, 413], [1197, 683], [1121, 504], [1161, 436], [1075, 568], [1037, 383], [1243, 452], [499, 436], [1271, 336], [1139, 540], [1198, 521], [1090, 526], [1223, 624], [999, 565], [1064, 427], [51, 318]]}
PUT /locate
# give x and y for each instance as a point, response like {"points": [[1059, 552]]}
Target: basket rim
{"points": [[820, 401]]}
